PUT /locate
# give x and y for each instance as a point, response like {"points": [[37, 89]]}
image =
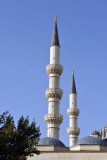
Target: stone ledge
{"points": [[87, 147], [51, 148]]}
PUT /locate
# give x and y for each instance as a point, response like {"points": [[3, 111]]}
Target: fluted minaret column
{"points": [[73, 112], [53, 119]]}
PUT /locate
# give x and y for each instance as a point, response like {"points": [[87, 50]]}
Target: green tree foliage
{"points": [[16, 143]]}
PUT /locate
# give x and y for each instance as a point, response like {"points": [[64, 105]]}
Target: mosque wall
{"points": [[70, 156]]}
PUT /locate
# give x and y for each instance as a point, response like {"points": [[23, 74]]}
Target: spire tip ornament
{"points": [[55, 18], [72, 71], [55, 38]]}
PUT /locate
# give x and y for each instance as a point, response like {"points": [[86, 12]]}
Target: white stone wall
{"points": [[70, 156]]}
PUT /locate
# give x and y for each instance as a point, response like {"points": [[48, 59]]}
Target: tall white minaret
{"points": [[53, 119], [73, 112]]}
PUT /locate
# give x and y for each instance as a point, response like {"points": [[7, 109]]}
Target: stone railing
{"points": [[53, 118], [73, 130], [54, 68], [54, 92], [73, 111]]}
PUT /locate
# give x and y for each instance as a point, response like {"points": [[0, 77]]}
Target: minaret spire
{"points": [[73, 112], [53, 119], [55, 38], [73, 87]]}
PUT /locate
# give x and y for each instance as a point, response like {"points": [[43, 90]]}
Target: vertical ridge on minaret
{"points": [[73, 86], [53, 119], [55, 38], [73, 112]]}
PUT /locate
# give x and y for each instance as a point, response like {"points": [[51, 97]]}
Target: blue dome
{"points": [[49, 141], [91, 140]]}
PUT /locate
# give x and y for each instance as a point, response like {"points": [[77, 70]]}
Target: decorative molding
{"points": [[73, 131], [73, 111], [53, 118], [54, 68], [54, 92]]}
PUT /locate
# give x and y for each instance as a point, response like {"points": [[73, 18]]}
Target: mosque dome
{"points": [[90, 140], [49, 141]]}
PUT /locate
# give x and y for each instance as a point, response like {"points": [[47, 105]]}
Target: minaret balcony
{"points": [[53, 118], [73, 131], [54, 68], [54, 92], [73, 111]]}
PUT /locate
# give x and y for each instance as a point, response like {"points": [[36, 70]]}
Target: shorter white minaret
{"points": [[73, 112]]}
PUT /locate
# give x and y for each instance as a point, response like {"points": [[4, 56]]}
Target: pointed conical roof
{"points": [[55, 38], [73, 87]]}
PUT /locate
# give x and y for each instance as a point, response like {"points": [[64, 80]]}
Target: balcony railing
{"points": [[73, 111], [54, 92], [51, 118], [54, 68], [73, 131]]}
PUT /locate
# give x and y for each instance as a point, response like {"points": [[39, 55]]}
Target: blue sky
{"points": [[26, 29]]}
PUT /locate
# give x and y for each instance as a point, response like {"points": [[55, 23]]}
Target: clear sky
{"points": [[26, 28]]}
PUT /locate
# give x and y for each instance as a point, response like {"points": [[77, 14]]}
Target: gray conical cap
{"points": [[73, 87], [55, 38]]}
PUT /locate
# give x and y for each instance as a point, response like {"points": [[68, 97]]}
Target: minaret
{"points": [[73, 112], [53, 119]]}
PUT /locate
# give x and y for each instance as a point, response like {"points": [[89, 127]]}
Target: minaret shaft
{"points": [[54, 93], [73, 100], [73, 112], [54, 81], [55, 55]]}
